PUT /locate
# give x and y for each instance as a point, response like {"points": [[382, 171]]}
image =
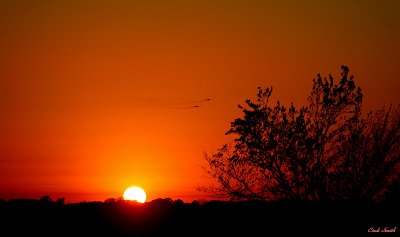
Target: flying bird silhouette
{"points": [[192, 107], [177, 103]]}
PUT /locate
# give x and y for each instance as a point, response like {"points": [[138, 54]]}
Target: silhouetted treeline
{"points": [[165, 217]]}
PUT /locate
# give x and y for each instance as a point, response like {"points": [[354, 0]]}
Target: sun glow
{"points": [[135, 194]]}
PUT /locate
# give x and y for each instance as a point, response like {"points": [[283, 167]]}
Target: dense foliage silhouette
{"points": [[323, 151]]}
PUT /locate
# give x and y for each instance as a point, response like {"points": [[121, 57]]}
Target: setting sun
{"points": [[135, 194]]}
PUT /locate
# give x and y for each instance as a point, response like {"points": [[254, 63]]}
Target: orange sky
{"points": [[95, 95]]}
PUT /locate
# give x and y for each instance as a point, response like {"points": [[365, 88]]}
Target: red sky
{"points": [[95, 96]]}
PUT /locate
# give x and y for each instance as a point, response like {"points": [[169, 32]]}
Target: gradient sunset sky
{"points": [[97, 96]]}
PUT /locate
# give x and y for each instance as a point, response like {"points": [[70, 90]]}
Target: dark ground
{"points": [[164, 217]]}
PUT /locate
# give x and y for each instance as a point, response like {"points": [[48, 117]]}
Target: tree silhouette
{"points": [[322, 151], [61, 201], [46, 199]]}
